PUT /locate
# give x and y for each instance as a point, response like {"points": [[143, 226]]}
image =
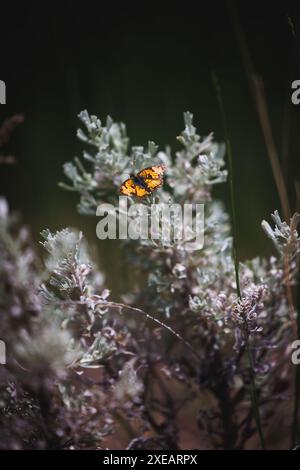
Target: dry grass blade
{"points": [[261, 105], [258, 93]]}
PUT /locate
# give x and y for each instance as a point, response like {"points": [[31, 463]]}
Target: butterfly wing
{"points": [[154, 172], [147, 180], [131, 188], [128, 188], [142, 192], [152, 177], [152, 184]]}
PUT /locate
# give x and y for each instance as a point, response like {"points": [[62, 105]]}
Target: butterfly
{"points": [[145, 182]]}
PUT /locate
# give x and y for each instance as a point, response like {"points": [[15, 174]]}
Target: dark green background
{"points": [[144, 64]]}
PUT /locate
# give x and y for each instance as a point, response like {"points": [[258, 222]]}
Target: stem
{"points": [[119, 307], [253, 392]]}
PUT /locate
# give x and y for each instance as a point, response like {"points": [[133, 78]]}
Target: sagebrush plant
{"points": [[167, 368]]}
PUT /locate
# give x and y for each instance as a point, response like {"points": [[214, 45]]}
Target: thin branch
{"points": [[119, 306], [253, 392]]}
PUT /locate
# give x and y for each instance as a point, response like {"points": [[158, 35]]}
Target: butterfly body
{"points": [[145, 182], [139, 181]]}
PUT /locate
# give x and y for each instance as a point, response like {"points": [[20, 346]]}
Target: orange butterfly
{"points": [[145, 182]]}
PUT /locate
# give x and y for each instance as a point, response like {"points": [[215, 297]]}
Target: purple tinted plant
{"points": [[168, 367]]}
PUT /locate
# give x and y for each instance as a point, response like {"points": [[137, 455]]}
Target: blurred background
{"points": [[145, 64]]}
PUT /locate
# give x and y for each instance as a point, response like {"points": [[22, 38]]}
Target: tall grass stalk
{"points": [[253, 392], [258, 94], [259, 98]]}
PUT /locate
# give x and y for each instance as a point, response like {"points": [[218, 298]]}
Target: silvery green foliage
{"points": [[196, 291], [68, 264], [74, 290], [286, 240], [191, 173], [285, 237], [109, 158], [198, 166]]}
